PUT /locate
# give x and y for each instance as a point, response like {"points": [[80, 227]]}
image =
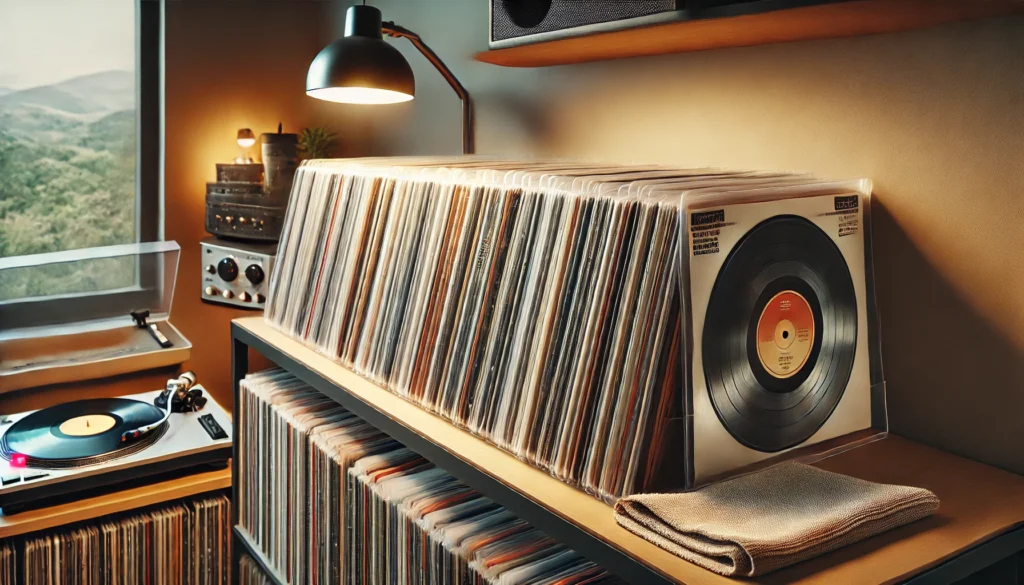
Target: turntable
{"points": [[89, 445]]}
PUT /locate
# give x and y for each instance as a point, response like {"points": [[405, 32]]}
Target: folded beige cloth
{"points": [[757, 523]]}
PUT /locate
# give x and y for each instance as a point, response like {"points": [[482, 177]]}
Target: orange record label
{"points": [[785, 334]]}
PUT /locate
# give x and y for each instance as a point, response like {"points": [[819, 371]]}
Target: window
{"points": [[80, 141]]}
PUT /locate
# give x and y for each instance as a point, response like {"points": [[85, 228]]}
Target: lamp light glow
{"points": [[245, 140], [359, 95]]}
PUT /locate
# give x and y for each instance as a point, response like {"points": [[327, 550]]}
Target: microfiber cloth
{"points": [[757, 523]]}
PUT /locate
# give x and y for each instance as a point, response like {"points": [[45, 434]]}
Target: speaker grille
{"points": [[552, 15]]}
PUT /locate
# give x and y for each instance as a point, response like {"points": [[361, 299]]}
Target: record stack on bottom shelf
{"points": [[556, 309], [250, 573], [420, 525], [8, 563], [328, 499], [182, 544]]}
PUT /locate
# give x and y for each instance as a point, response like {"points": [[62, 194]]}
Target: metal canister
{"points": [[280, 159]]}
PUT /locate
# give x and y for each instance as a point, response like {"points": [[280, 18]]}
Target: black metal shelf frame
{"points": [[245, 544]]}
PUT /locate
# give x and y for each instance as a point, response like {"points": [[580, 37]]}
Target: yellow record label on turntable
{"points": [[87, 425], [785, 334]]}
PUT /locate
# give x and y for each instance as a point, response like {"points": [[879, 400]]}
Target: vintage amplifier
{"points": [[237, 273], [242, 211], [240, 173]]}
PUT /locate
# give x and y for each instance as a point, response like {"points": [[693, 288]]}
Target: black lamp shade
{"points": [[361, 67]]}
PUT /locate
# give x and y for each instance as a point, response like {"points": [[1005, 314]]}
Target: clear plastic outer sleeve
{"points": [[691, 206]]}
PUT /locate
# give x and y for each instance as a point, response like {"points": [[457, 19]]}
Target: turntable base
{"points": [[114, 503], [53, 455]]}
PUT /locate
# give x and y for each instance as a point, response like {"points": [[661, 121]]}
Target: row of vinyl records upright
{"points": [[181, 544], [328, 499], [539, 319], [537, 305]]}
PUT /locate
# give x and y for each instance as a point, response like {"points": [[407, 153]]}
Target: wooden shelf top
{"points": [[979, 502], [837, 19], [113, 503]]}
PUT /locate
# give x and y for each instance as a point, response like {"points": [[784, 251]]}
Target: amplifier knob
{"points": [[227, 294], [211, 291], [255, 274], [260, 298], [244, 297], [211, 269], [243, 220], [227, 269]]}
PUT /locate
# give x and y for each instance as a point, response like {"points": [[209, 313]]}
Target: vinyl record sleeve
{"points": [[715, 224]]}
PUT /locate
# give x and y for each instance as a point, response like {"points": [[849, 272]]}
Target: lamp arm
{"points": [[393, 30]]}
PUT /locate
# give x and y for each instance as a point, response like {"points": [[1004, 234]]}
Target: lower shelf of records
{"points": [[328, 499], [178, 544]]}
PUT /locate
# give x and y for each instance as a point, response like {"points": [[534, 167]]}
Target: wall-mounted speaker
{"points": [[520, 22], [524, 22]]}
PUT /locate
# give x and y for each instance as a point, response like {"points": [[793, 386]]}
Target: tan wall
{"points": [[935, 117]]}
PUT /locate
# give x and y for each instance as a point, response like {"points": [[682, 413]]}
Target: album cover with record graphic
{"points": [[784, 359]]}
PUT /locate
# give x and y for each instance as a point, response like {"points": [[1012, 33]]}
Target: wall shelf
{"points": [[760, 24], [113, 503], [981, 519]]}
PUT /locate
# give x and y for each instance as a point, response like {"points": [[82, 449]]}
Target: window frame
{"points": [[149, 196]]}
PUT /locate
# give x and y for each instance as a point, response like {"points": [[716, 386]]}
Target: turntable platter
{"points": [[84, 432]]}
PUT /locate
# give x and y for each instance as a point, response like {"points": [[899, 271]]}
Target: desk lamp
{"points": [[361, 68]]}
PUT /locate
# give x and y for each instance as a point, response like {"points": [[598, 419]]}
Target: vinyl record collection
{"points": [[250, 573], [547, 308], [184, 544], [8, 563], [414, 523], [330, 500]]}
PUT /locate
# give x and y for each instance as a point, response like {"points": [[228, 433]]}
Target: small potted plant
{"points": [[316, 143]]}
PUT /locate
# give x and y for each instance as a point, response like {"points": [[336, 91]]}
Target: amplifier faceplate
{"points": [[236, 273]]}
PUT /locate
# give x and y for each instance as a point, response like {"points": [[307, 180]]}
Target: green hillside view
{"points": [[67, 179]]}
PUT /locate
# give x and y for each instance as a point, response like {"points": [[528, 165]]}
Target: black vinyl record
{"points": [[780, 334], [84, 432]]}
